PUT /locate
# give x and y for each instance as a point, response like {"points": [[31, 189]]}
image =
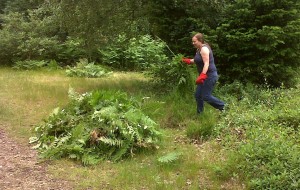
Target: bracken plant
{"points": [[95, 126]]}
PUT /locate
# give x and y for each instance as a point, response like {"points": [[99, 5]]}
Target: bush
{"points": [[95, 126], [114, 54], [144, 51], [86, 69], [30, 64], [71, 50], [28, 36], [134, 54]]}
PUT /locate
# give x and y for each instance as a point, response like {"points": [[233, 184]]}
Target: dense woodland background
{"points": [[254, 41], [68, 57]]}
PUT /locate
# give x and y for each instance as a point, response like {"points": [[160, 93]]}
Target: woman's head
{"points": [[199, 37], [198, 40]]}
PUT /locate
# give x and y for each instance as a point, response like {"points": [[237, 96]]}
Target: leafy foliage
{"points": [[174, 21], [173, 75], [259, 42], [71, 50], [95, 126], [29, 36], [134, 54], [36, 64], [86, 69], [114, 54], [100, 22], [30, 64], [144, 51], [170, 157], [21, 5]]}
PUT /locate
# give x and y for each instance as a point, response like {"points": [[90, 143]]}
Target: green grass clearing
{"points": [[28, 97]]}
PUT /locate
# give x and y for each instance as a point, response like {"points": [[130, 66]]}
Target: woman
{"points": [[208, 75]]}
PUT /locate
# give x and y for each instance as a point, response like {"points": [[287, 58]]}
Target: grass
{"points": [[28, 97], [191, 171]]}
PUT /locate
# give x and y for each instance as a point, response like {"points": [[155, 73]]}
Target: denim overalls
{"points": [[204, 91]]}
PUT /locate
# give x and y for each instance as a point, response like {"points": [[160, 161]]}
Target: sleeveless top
{"points": [[212, 70]]}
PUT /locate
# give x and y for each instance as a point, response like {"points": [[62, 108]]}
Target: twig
{"points": [[166, 45]]}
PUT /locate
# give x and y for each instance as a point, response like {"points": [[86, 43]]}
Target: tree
{"points": [[98, 22], [21, 6], [175, 21], [71, 28], [2, 7], [259, 41], [28, 35]]}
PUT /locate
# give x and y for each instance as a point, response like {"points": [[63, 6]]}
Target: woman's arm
{"points": [[205, 57]]}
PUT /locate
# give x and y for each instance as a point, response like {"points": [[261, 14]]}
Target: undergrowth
{"points": [[261, 133], [85, 69]]}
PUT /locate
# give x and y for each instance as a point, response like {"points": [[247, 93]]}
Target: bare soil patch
{"points": [[21, 169]]}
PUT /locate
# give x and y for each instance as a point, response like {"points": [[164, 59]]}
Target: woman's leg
{"points": [[199, 99], [206, 93]]}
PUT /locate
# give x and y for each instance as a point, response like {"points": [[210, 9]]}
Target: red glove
{"points": [[201, 78], [187, 60]]}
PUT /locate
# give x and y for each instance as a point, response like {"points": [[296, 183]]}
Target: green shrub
{"points": [[36, 64], [29, 36], [71, 50], [133, 54], [95, 126], [144, 51], [30, 64], [53, 65], [85, 69], [114, 54]]}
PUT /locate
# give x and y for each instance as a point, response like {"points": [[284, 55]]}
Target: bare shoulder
{"points": [[204, 50]]}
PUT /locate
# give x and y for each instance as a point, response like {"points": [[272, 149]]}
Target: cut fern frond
{"points": [[170, 157], [111, 142]]}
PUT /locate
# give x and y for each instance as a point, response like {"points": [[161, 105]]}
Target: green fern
{"points": [[122, 152], [88, 159], [85, 69], [107, 124], [170, 157], [111, 142]]}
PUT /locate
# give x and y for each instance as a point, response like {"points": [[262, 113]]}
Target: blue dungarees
{"points": [[204, 91]]}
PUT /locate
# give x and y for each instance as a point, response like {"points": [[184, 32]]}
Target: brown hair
{"points": [[200, 37]]}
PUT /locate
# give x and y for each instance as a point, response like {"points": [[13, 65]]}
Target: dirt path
{"points": [[20, 169]]}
